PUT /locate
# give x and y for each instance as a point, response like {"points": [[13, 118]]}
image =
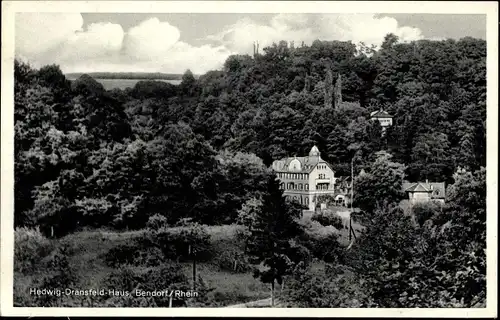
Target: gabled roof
{"points": [[417, 187], [380, 114], [307, 164], [437, 189]]}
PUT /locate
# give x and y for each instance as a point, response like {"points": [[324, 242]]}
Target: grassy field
{"points": [[229, 286], [89, 247]]}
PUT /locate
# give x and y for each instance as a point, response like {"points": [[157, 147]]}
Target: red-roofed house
{"points": [[425, 191]]}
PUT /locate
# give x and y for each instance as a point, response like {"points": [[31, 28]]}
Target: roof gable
{"points": [[417, 187], [380, 114], [307, 164], [437, 189]]}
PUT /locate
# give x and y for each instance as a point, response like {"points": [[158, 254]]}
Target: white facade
{"points": [[304, 178]]}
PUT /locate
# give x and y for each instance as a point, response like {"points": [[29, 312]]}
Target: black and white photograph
{"points": [[157, 158]]}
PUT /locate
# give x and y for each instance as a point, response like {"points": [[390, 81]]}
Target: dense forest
{"points": [[201, 150]]}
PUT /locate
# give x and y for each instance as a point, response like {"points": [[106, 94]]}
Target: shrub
{"points": [[149, 257], [328, 219], [121, 254], [183, 243], [323, 246], [232, 261], [59, 273], [299, 253], [30, 247], [424, 211], [169, 276], [123, 281], [156, 222], [328, 249]]}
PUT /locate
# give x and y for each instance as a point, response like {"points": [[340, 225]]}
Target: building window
{"points": [[306, 186], [307, 200], [300, 186]]}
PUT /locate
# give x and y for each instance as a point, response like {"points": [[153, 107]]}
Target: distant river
{"points": [[110, 84]]}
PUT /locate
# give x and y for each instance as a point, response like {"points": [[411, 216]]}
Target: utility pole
{"points": [[192, 253], [352, 196]]}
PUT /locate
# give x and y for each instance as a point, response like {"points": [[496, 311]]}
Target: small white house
{"points": [[419, 192], [384, 118]]}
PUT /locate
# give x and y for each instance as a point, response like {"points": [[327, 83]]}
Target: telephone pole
{"points": [[352, 197]]}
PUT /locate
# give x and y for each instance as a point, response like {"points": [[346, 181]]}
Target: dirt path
{"points": [[264, 303]]}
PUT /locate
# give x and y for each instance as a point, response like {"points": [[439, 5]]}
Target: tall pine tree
{"points": [[270, 245]]}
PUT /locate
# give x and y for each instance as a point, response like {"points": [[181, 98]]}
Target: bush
{"points": [[328, 249], [139, 252], [424, 211], [30, 247], [169, 276], [232, 261], [321, 246], [121, 254], [156, 222], [59, 273], [328, 219], [183, 243], [123, 281], [149, 257]]}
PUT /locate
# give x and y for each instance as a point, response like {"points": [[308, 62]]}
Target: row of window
{"points": [[300, 186], [294, 186], [322, 166], [304, 201], [297, 176]]}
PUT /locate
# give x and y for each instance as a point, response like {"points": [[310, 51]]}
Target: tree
{"points": [[188, 83], [247, 216], [274, 228], [430, 158], [329, 88], [382, 183], [405, 262]]}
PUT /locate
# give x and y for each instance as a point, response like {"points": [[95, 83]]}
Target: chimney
{"points": [[426, 181]]}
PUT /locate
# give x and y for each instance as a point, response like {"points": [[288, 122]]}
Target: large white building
{"points": [[305, 178]]}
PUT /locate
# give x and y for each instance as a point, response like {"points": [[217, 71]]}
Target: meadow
{"points": [[226, 275]]}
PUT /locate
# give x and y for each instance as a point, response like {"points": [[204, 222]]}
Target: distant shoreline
{"points": [[128, 75]]}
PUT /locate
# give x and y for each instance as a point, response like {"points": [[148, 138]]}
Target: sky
{"points": [[172, 43]]}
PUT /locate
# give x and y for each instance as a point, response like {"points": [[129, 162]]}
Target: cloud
{"points": [[156, 46], [100, 39], [151, 46], [365, 28], [150, 39], [36, 33], [241, 36]]}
